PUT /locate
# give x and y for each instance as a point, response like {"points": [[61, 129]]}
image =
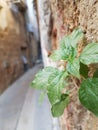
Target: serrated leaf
{"points": [[56, 84], [67, 42], [68, 46], [62, 43], [84, 70], [90, 54], [58, 108], [72, 39], [76, 36], [58, 55], [41, 78], [73, 68], [65, 54], [72, 53], [88, 94]]}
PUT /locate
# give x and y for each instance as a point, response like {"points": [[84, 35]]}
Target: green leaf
{"points": [[64, 54], [56, 84], [41, 78], [68, 46], [62, 43], [72, 53], [58, 55], [67, 42], [88, 94], [73, 68], [58, 108], [90, 54], [84, 70], [75, 37], [95, 74]]}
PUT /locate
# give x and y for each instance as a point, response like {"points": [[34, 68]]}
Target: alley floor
{"points": [[20, 109]]}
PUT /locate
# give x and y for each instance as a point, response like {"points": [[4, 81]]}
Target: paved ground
{"points": [[20, 110]]}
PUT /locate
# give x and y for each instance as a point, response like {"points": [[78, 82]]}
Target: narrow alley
{"points": [[19, 107], [61, 38]]}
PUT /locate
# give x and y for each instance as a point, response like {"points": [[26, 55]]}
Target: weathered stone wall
{"points": [[67, 15], [15, 41]]}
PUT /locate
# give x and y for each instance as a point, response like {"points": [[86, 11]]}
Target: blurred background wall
{"points": [[16, 40]]}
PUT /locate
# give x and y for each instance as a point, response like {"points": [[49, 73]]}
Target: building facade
{"points": [[15, 41]]}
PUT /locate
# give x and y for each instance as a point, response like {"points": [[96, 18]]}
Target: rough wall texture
{"points": [[67, 15], [14, 42]]}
